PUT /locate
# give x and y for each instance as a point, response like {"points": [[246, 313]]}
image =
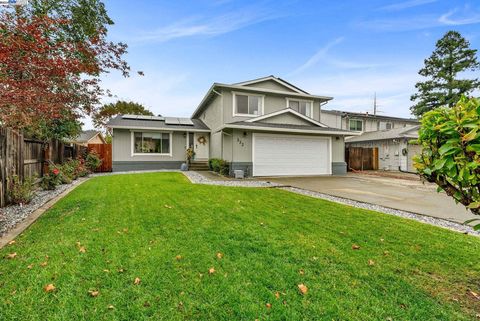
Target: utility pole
{"points": [[375, 104]]}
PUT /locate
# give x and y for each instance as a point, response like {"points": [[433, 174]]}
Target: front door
{"points": [[201, 143]]}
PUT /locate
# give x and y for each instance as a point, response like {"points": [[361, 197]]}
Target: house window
{"points": [[151, 143], [388, 126], [355, 124], [248, 105], [304, 107]]}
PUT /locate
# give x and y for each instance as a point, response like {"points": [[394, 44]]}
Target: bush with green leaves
{"points": [[219, 166], [51, 179], [450, 157], [21, 192], [93, 161]]}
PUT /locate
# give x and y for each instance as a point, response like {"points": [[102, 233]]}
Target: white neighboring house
{"points": [[394, 150]]}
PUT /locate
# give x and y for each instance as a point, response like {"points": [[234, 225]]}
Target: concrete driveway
{"points": [[407, 194]]}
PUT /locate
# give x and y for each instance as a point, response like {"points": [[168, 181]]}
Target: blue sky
{"points": [[345, 49]]}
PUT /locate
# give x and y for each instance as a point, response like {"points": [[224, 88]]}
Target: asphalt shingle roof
{"points": [[119, 121], [408, 131]]}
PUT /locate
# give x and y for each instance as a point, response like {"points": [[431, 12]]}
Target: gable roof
{"points": [[288, 128], [298, 93], [275, 79], [284, 111], [87, 135], [401, 132]]}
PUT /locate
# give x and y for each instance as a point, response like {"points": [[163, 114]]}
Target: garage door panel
{"points": [[290, 155]]}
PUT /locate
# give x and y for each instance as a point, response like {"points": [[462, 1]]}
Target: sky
{"points": [[347, 49]]}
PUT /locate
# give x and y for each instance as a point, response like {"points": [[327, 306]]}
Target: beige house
{"points": [[89, 137], [265, 127]]}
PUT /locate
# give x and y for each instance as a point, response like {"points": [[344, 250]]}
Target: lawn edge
{"points": [[23, 225]]}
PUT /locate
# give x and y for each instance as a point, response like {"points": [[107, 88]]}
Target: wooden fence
{"points": [[360, 158], [26, 157], [104, 151]]}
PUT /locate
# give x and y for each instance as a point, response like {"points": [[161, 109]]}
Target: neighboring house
{"points": [[89, 137], [394, 150], [364, 122], [266, 127]]}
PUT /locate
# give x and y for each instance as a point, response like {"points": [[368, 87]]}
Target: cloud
{"points": [[209, 27], [457, 16], [322, 55], [406, 5], [466, 17]]}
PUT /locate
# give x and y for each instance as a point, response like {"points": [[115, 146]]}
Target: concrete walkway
{"points": [[402, 194]]}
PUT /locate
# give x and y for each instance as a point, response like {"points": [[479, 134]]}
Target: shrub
{"points": [[52, 179], [450, 157], [21, 192], [219, 166], [93, 161], [81, 170]]}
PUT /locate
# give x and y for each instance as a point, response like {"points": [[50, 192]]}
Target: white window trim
{"points": [[234, 104], [132, 145], [356, 119], [287, 100]]}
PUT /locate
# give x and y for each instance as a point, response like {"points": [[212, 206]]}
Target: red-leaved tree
{"points": [[44, 75]]}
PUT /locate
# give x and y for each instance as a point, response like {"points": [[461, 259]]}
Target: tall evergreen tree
{"points": [[452, 56]]}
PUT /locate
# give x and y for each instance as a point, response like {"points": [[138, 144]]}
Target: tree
{"points": [[106, 112], [50, 67], [452, 56], [450, 157]]}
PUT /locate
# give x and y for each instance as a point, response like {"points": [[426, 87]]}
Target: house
{"points": [[89, 137], [364, 122], [265, 127], [395, 150]]}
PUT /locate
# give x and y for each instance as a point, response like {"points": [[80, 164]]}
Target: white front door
{"points": [[201, 150], [277, 155]]}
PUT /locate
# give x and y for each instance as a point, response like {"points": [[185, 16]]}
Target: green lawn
{"points": [[134, 226]]}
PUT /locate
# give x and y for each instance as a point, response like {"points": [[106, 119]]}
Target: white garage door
{"points": [[276, 155]]}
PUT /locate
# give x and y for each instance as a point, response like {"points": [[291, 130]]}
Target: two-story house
{"points": [[364, 122], [266, 127]]}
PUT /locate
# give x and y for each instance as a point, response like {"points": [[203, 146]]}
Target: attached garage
{"points": [[291, 155]]}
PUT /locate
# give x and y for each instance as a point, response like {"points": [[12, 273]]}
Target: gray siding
{"points": [[271, 85], [122, 148], [287, 119]]}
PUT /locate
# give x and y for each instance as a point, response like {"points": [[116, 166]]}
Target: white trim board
{"points": [[287, 110], [290, 130], [234, 104]]}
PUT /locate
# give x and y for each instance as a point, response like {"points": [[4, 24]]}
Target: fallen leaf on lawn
{"points": [[11, 255], [106, 271], [49, 288], [381, 240], [385, 253], [219, 255], [180, 305], [268, 305], [277, 294], [146, 304], [110, 307], [30, 266], [261, 223], [13, 292], [284, 302], [121, 270], [303, 289], [211, 270], [371, 262], [43, 264], [178, 257], [93, 293], [355, 247], [82, 249], [125, 230], [11, 242], [78, 244], [301, 272], [137, 281], [475, 295], [168, 206]]}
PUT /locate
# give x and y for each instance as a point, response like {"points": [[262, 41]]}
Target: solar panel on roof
{"points": [[142, 117], [185, 121], [171, 121]]}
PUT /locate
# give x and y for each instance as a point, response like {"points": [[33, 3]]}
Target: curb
{"points": [[22, 226]]}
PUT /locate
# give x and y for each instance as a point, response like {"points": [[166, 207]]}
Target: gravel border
{"points": [[12, 215], [197, 178]]}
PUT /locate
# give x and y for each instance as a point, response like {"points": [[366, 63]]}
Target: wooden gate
{"points": [[104, 151], [361, 158]]}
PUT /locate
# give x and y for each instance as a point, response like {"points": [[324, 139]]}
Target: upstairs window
{"points": [[355, 124], [304, 107], [248, 105]]}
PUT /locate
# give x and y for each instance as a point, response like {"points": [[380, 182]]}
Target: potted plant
{"points": [[190, 154]]}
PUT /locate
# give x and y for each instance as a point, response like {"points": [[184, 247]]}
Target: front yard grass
{"points": [[166, 232]]}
